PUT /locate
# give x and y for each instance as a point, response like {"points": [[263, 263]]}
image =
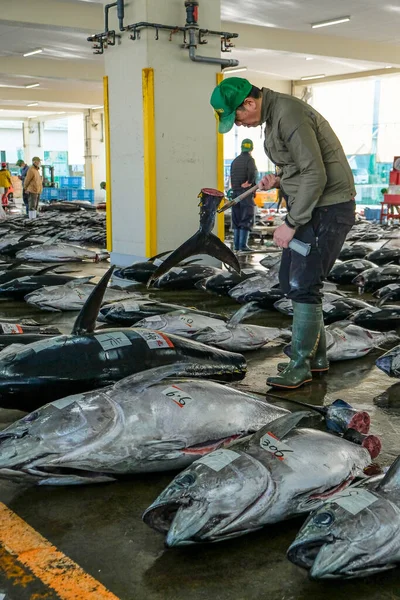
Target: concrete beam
{"points": [[269, 38], [85, 16], [77, 95], [347, 76], [52, 68]]}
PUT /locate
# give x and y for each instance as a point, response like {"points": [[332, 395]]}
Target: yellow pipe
{"points": [[149, 143], [108, 165], [220, 173]]}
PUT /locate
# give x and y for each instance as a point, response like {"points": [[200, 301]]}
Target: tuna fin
{"points": [[244, 311], [153, 258], [391, 481], [199, 243], [138, 382], [281, 426], [86, 320], [46, 269]]}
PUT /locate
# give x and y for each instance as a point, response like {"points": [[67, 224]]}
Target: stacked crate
{"points": [[71, 189]]}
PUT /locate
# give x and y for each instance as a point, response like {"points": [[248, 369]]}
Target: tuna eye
{"points": [[323, 519], [185, 480]]}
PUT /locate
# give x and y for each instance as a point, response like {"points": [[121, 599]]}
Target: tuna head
{"points": [[355, 534], [219, 496]]}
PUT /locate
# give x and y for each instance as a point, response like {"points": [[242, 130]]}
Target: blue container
{"points": [[71, 182], [372, 214], [69, 195], [49, 194]]}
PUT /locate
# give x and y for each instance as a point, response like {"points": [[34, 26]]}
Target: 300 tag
{"points": [[177, 395], [271, 444]]}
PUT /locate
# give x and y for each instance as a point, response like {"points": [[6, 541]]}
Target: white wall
{"points": [[11, 140]]}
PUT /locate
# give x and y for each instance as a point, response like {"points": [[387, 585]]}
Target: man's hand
{"points": [[283, 235], [246, 184], [269, 181]]}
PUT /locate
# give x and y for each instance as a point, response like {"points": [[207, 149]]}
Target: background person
{"points": [[23, 171], [33, 185], [243, 176], [319, 185]]}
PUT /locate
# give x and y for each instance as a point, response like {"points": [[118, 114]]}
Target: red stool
{"points": [[388, 207]]}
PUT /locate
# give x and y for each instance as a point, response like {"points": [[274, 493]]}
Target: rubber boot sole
{"points": [[289, 387], [312, 370]]}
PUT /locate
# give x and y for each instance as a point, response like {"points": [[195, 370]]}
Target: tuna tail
{"points": [[199, 243], [391, 481], [86, 320], [244, 311]]}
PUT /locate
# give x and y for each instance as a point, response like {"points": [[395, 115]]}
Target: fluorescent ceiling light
{"points": [[312, 77], [95, 107], [34, 104], [309, 58], [32, 85], [61, 113], [39, 51], [33, 117], [330, 22], [388, 67], [234, 69]]}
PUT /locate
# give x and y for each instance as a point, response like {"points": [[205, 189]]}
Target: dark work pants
{"points": [[301, 277]]}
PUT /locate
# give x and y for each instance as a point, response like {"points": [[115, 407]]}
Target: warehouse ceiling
{"points": [[276, 41]]}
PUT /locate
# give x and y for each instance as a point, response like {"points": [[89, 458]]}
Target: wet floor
{"points": [[100, 526]]}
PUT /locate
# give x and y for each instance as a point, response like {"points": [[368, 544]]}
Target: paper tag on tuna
{"points": [[42, 345], [10, 328], [176, 270], [248, 271], [218, 459], [373, 309], [354, 501], [134, 306], [157, 262], [112, 340], [271, 444], [153, 319], [328, 307], [63, 402], [155, 339], [177, 395], [359, 265]]}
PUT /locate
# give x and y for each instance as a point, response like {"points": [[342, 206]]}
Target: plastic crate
{"points": [[69, 195], [49, 194], [71, 182], [372, 214]]}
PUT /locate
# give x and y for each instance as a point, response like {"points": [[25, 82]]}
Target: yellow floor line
{"points": [[48, 564]]}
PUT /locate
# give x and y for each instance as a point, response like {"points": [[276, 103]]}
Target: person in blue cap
{"points": [[318, 182], [243, 176]]}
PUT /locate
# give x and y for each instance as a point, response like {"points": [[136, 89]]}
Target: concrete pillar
{"points": [[95, 162], [33, 140], [184, 128]]}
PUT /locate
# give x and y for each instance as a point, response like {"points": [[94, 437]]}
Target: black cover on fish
{"points": [[203, 241], [345, 272], [384, 318], [141, 271], [350, 252], [70, 364]]}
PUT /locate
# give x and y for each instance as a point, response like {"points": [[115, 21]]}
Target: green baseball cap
{"points": [[226, 98], [247, 145]]}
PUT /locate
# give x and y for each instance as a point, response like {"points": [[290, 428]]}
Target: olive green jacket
{"points": [[300, 141]]}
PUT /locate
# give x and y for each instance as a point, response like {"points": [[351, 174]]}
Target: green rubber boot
{"points": [[305, 338], [319, 362]]}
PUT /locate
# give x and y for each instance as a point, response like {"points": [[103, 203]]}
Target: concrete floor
{"points": [[100, 526]]}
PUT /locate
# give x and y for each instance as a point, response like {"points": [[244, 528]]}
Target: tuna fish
{"points": [[384, 255], [350, 251], [20, 287], [271, 260], [70, 364], [255, 288], [277, 473], [389, 362], [345, 341], [185, 277], [129, 312], [373, 279], [388, 292], [341, 308], [60, 252], [72, 296], [24, 334], [383, 318], [345, 272], [143, 423], [183, 322], [202, 242], [284, 305], [355, 533], [223, 282], [141, 271]]}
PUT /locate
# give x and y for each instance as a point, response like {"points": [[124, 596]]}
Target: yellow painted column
{"points": [[220, 173], [149, 148], [108, 165]]}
